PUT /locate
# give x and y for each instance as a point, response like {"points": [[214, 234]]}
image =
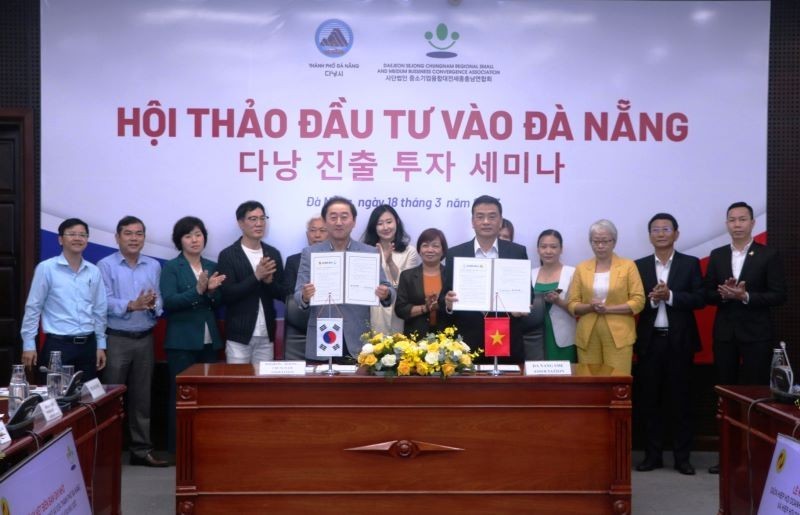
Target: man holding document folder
{"points": [[487, 219], [339, 301]]}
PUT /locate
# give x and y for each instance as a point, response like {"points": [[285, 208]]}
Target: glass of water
{"points": [[66, 372], [55, 382]]}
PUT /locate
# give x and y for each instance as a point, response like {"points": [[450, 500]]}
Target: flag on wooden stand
{"points": [[497, 336]]}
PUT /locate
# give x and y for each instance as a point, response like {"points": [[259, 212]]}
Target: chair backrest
{"points": [[296, 322]]}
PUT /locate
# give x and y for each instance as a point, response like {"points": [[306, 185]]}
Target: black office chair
{"points": [[295, 325]]}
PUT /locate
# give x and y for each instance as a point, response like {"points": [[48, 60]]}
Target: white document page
{"points": [[327, 276], [472, 282], [363, 276], [512, 285]]}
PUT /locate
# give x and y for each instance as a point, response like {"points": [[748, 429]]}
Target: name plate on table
{"points": [[95, 388], [781, 492], [548, 368], [282, 368], [4, 436], [49, 409]]}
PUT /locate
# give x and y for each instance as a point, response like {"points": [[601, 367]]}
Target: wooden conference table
{"points": [[96, 426], [365, 444], [760, 430]]}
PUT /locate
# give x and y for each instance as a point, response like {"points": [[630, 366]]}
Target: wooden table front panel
{"points": [[283, 444]]}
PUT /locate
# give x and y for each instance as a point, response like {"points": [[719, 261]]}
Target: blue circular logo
{"points": [[334, 38]]}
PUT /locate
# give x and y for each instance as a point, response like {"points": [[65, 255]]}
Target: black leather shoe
{"points": [[685, 468], [648, 465], [148, 460], [714, 469]]}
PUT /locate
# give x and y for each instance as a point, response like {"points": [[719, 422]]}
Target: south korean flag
{"points": [[329, 337]]}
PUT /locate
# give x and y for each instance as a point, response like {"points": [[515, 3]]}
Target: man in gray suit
{"points": [[339, 214]]}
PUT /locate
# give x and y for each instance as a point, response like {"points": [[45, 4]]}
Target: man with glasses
{"points": [[134, 304], [254, 279], [68, 296], [666, 340], [487, 220]]}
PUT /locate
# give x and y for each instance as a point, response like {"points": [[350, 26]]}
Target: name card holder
{"points": [[548, 368], [95, 388], [282, 368], [49, 410], [4, 436]]}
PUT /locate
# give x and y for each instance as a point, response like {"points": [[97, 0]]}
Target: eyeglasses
{"points": [[256, 219], [661, 230], [81, 235], [603, 243]]}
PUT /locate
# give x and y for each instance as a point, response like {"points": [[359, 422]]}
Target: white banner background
{"points": [[706, 60]]}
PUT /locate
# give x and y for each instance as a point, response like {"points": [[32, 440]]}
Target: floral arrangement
{"points": [[442, 353]]}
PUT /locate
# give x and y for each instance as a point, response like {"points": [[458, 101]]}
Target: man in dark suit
{"points": [[666, 340], [297, 319], [254, 279], [744, 280], [487, 219]]}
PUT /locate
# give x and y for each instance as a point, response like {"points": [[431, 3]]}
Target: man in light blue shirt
{"points": [[68, 295], [131, 282]]}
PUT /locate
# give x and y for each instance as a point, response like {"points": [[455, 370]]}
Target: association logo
{"points": [[442, 40], [334, 38], [781, 461]]}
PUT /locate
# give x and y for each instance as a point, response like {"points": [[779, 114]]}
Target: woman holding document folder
{"points": [[606, 293], [551, 282]]}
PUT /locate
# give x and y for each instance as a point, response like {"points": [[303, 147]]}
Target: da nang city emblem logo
{"points": [[442, 41], [334, 38]]}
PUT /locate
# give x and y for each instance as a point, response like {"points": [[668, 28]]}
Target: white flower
{"points": [[423, 345], [432, 358], [465, 347], [457, 353], [389, 360], [368, 348]]}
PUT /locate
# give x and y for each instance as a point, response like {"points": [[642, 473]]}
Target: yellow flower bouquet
{"points": [[443, 354]]}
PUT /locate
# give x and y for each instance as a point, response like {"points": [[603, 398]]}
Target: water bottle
{"points": [[780, 361], [18, 389], [55, 362]]}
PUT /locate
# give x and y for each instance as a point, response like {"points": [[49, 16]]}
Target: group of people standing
{"points": [[585, 314]]}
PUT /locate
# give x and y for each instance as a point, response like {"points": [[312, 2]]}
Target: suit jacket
{"points": [[355, 317], [187, 311], [765, 282], [290, 273], [410, 293], [624, 287], [241, 292], [686, 284], [470, 323]]}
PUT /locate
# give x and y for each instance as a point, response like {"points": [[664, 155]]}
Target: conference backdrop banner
{"points": [[568, 111]]}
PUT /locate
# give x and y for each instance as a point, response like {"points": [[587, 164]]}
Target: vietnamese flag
{"points": [[497, 336]]}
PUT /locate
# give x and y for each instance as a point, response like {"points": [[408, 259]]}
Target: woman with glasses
{"points": [[418, 289], [385, 231], [190, 290], [606, 293]]}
